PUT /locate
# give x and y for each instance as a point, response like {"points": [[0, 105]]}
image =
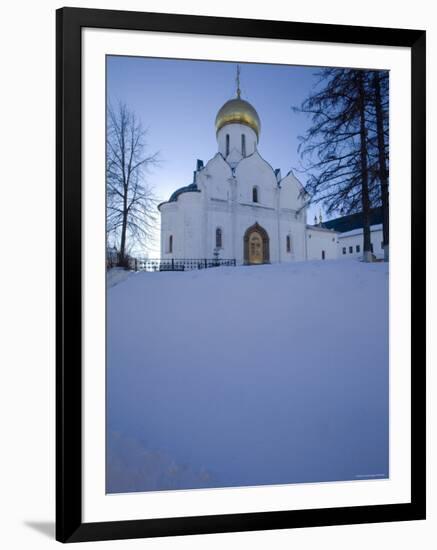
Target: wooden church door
{"points": [[256, 253]]}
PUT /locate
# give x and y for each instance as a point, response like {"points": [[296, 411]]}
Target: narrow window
{"points": [[357, 248], [351, 249], [323, 254], [170, 244], [344, 250], [218, 238], [227, 144], [255, 194], [288, 243], [243, 145], [371, 247]]}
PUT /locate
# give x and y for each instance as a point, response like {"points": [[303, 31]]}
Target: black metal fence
{"points": [[163, 264], [178, 264]]}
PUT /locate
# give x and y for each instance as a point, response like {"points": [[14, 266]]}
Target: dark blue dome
{"points": [[187, 189]]}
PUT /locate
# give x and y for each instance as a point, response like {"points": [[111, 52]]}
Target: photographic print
{"points": [[247, 255], [240, 275]]}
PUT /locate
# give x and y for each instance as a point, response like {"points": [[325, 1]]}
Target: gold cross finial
{"points": [[238, 82]]}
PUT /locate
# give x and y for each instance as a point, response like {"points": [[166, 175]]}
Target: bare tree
{"points": [[131, 203]]}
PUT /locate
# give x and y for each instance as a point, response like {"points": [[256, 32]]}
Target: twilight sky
{"points": [[177, 100]]}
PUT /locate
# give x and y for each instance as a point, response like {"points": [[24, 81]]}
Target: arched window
{"points": [[170, 244], [218, 238], [243, 145], [255, 197], [288, 243], [227, 144]]}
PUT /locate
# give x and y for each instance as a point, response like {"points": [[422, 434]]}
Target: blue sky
{"points": [[177, 101]]}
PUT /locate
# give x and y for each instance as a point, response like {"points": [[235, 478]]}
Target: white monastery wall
{"points": [[350, 244], [321, 244]]}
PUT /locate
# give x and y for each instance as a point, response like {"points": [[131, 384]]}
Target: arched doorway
{"points": [[256, 245]]}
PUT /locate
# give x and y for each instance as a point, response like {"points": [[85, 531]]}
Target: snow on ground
{"points": [[239, 376], [117, 275]]}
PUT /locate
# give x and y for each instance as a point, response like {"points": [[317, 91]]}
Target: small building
{"points": [[350, 234]]}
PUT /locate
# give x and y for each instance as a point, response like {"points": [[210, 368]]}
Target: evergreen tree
{"points": [[337, 145], [378, 94]]}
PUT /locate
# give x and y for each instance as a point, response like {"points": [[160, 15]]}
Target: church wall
{"points": [[254, 171], [246, 216], [214, 178], [219, 216], [293, 227], [182, 219], [215, 184], [169, 226], [186, 218], [190, 204], [290, 196]]}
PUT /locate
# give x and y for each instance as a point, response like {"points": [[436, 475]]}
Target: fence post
{"points": [[206, 263], [172, 264]]}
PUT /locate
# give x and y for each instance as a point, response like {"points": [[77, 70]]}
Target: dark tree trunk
{"points": [[123, 232], [367, 249], [383, 173]]}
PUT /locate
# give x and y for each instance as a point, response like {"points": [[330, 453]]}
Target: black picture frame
{"points": [[69, 525]]}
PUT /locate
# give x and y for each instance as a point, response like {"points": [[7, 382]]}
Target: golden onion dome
{"points": [[238, 111]]}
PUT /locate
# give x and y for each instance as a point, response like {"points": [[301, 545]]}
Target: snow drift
{"points": [[241, 376]]}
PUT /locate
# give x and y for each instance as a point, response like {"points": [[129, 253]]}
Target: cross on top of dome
{"points": [[239, 111]]}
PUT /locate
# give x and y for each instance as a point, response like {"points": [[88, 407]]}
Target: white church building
{"points": [[239, 207]]}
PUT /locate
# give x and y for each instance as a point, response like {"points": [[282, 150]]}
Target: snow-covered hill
{"points": [[248, 375]]}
